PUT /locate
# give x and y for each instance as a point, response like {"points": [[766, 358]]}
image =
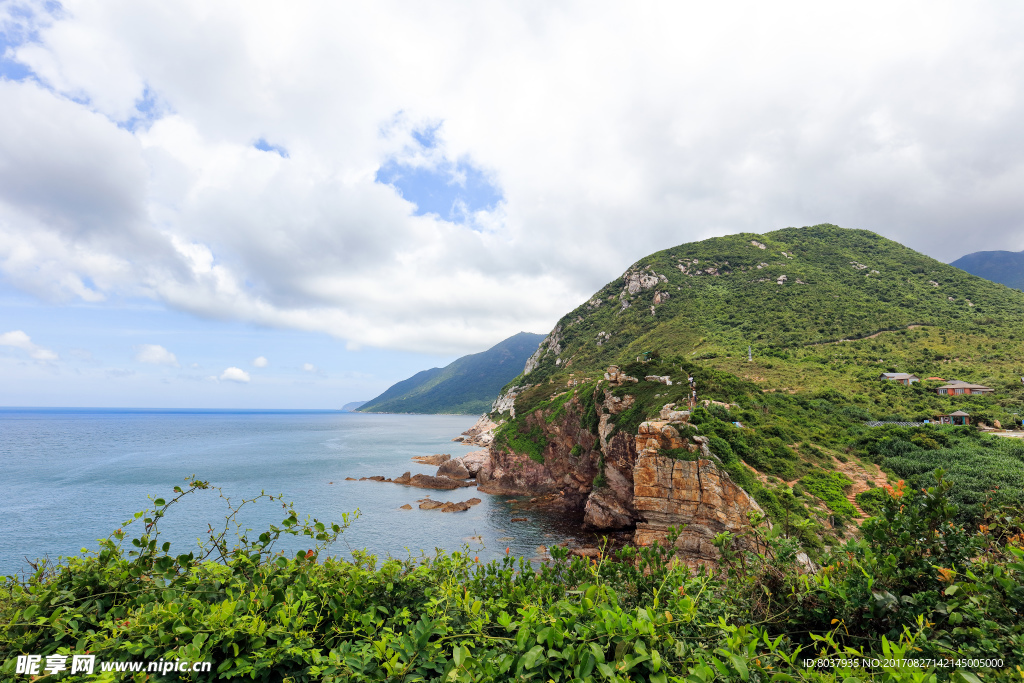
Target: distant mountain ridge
{"points": [[1004, 267], [466, 386]]}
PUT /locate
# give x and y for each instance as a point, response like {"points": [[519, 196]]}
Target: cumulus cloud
{"points": [[155, 355], [234, 374], [261, 362], [19, 340], [308, 367], [564, 143]]}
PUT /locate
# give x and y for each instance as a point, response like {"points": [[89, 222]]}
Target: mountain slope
{"points": [[1004, 267], [790, 294], [468, 385]]}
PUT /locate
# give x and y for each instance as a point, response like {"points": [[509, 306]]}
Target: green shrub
{"points": [[872, 500], [721, 448], [830, 487]]}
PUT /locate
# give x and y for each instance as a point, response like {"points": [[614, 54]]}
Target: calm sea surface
{"points": [[71, 476]]}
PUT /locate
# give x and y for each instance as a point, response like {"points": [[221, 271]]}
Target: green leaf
{"points": [[741, 666], [968, 676], [530, 658]]}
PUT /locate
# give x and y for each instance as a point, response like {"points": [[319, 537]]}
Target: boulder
{"points": [[454, 507], [605, 511], [404, 479], [431, 504], [432, 459], [425, 481], [453, 469], [473, 501], [475, 460], [406, 507]]}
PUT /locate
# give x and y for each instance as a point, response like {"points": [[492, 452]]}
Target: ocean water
{"points": [[71, 476]]}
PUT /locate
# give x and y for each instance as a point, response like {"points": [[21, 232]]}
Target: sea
{"points": [[69, 477]]}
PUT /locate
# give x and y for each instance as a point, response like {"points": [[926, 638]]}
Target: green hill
{"points": [[823, 312], [466, 386], [796, 297], [1004, 267]]}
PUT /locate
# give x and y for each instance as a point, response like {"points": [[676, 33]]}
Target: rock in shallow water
{"points": [[432, 459], [453, 469]]}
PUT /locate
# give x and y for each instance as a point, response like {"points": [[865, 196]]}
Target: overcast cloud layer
{"points": [[276, 163]]}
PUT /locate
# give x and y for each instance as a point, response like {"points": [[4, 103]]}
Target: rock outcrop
{"points": [[617, 378], [640, 487], [425, 481], [605, 510], [475, 460], [569, 466], [447, 506], [432, 459], [696, 496], [453, 469], [482, 432]]}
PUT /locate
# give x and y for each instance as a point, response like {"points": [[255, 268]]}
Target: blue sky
{"points": [[358, 193], [100, 361], [452, 190]]}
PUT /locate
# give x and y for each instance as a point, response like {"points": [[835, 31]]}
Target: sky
{"points": [[294, 205]]}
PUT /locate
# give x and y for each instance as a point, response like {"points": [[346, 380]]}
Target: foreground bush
{"points": [[917, 587]]}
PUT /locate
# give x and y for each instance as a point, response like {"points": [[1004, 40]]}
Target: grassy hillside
{"points": [[1004, 267], [468, 385], [792, 301]]}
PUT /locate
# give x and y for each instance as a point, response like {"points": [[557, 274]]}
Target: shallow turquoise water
{"points": [[69, 477]]}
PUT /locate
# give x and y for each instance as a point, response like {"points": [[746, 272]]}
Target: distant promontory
{"points": [[466, 386]]}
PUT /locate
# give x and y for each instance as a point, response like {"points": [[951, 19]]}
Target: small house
{"points": [[903, 378], [957, 418], [955, 387]]}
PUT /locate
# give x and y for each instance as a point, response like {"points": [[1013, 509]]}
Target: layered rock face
{"points": [[696, 495], [642, 489]]}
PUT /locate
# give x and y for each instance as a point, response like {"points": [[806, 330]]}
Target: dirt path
{"points": [[861, 474]]}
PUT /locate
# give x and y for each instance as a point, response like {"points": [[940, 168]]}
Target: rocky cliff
{"points": [[614, 480]]}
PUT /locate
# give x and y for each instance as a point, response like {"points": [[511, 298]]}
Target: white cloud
{"points": [[260, 362], [309, 367], [234, 374], [611, 131], [155, 354], [19, 340]]}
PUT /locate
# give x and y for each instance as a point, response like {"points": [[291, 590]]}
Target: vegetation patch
{"points": [[831, 488], [518, 437]]}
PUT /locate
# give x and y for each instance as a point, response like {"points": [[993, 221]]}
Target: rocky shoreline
{"points": [[643, 495]]}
